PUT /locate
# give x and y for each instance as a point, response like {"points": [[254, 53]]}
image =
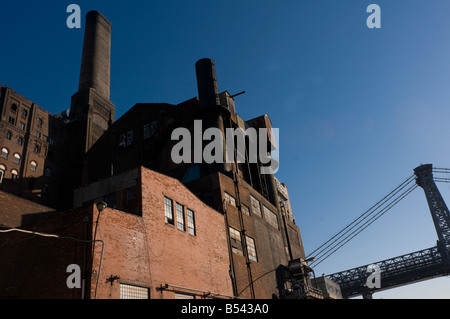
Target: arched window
{"points": [[14, 174], [33, 166], [48, 172], [5, 153], [24, 113], [14, 107], [2, 172], [8, 135], [16, 158], [20, 140]]}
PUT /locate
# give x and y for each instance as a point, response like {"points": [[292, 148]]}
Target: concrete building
{"points": [[85, 156]]}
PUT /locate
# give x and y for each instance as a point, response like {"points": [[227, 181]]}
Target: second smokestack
{"points": [[208, 92]]}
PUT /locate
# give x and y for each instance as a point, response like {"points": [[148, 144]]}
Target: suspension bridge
{"points": [[401, 270]]}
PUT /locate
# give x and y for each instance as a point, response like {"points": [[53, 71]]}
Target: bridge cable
{"points": [[350, 236], [368, 212], [334, 241]]}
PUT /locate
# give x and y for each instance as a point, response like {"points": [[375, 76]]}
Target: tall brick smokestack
{"points": [[96, 58], [208, 92], [91, 111]]}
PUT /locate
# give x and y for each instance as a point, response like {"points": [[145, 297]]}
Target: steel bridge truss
{"points": [[406, 269]]}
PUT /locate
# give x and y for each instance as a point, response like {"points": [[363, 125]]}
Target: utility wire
{"points": [[318, 251], [62, 237]]}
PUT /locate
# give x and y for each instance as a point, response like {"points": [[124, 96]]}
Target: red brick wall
{"points": [[145, 251]]}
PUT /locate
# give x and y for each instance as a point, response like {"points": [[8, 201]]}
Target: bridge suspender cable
{"points": [[362, 222]]}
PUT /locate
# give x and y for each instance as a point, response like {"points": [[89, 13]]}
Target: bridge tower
{"points": [[438, 208]]}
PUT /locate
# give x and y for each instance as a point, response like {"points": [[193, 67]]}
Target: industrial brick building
{"points": [[147, 254], [170, 230]]}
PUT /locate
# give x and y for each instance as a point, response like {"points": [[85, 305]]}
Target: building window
{"points": [[123, 140], [130, 196], [270, 217], [133, 292], [14, 107], [33, 165], [230, 199], [146, 132], [24, 113], [8, 135], [2, 172], [36, 148], [22, 126], [256, 208], [168, 207], [40, 122], [183, 296], [16, 158], [110, 200], [153, 128], [180, 217], [46, 188], [235, 239], [20, 140], [245, 210], [14, 174], [129, 138], [12, 120], [48, 172], [191, 222], [38, 134], [251, 249], [5, 153]]}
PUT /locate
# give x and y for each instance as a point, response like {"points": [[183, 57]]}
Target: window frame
{"points": [[181, 225], [255, 211], [17, 158], [169, 216], [4, 153], [125, 291], [270, 217], [14, 174], [230, 199], [33, 167], [251, 248], [191, 228]]}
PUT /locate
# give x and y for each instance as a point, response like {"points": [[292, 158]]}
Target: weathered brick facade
{"points": [[143, 250]]}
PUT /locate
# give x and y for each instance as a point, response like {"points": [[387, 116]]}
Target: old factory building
{"points": [[80, 189]]}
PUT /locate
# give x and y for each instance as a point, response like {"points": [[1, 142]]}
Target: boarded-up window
{"points": [[235, 239], [251, 249], [270, 217], [256, 208], [230, 199], [245, 210]]}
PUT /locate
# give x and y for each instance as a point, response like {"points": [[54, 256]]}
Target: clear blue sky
{"points": [[358, 109]]}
